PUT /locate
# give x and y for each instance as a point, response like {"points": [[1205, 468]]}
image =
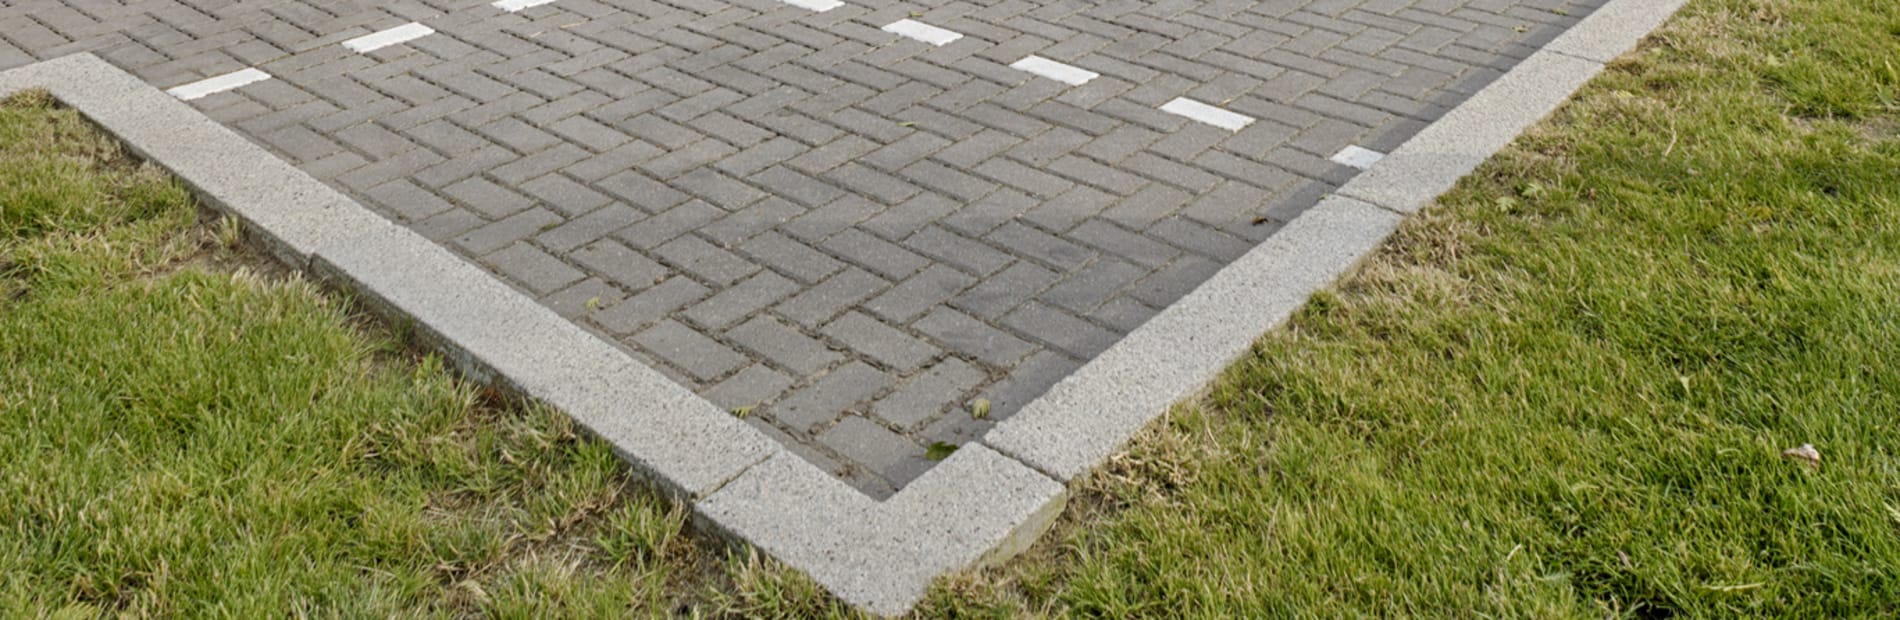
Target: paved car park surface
{"points": [[852, 221]]}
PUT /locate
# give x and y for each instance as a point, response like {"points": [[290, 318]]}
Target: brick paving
{"points": [[853, 234]]}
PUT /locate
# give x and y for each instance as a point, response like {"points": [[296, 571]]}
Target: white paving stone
{"points": [[385, 38], [815, 5], [923, 32], [1357, 156], [516, 5], [1207, 114], [1067, 74], [218, 84]]}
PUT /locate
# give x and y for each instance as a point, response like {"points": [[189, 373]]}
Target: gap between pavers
{"points": [[987, 501]]}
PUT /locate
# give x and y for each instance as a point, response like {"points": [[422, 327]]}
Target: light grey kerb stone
{"points": [[974, 507], [681, 441], [1089, 416], [293, 213]]}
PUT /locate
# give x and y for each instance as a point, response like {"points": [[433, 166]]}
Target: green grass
{"points": [[184, 435], [1564, 392]]}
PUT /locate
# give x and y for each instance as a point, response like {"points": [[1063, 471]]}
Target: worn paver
{"points": [[854, 229]]}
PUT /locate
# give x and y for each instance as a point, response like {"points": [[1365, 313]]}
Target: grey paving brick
{"points": [[997, 294], [1194, 237], [565, 195], [487, 198], [1170, 283], [1122, 314], [910, 215], [517, 135], [797, 187], [919, 293], [964, 253], [875, 254], [819, 303], [588, 228], [619, 264], [889, 454], [940, 387], [751, 387], [1039, 245], [584, 297], [1140, 249], [704, 260], [408, 201], [538, 164], [784, 346], [1064, 331], [1029, 380], [643, 309], [948, 180], [958, 332], [896, 155], [825, 221], [448, 224], [827, 399], [1087, 288], [883, 187], [718, 189], [532, 268], [688, 350], [617, 160], [741, 300], [669, 224], [880, 342], [639, 190], [831, 154], [519, 226]]}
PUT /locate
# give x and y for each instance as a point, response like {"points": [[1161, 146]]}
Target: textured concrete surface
{"points": [[802, 213]]}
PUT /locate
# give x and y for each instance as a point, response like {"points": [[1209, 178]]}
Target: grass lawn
{"points": [[1564, 392]]}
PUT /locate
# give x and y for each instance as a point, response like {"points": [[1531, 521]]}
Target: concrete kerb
{"points": [[1091, 414], [984, 503]]}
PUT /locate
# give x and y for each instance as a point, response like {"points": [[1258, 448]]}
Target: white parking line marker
{"points": [[815, 5], [1206, 114], [1067, 74], [385, 38], [218, 84], [922, 32], [1357, 157], [516, 5]]}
